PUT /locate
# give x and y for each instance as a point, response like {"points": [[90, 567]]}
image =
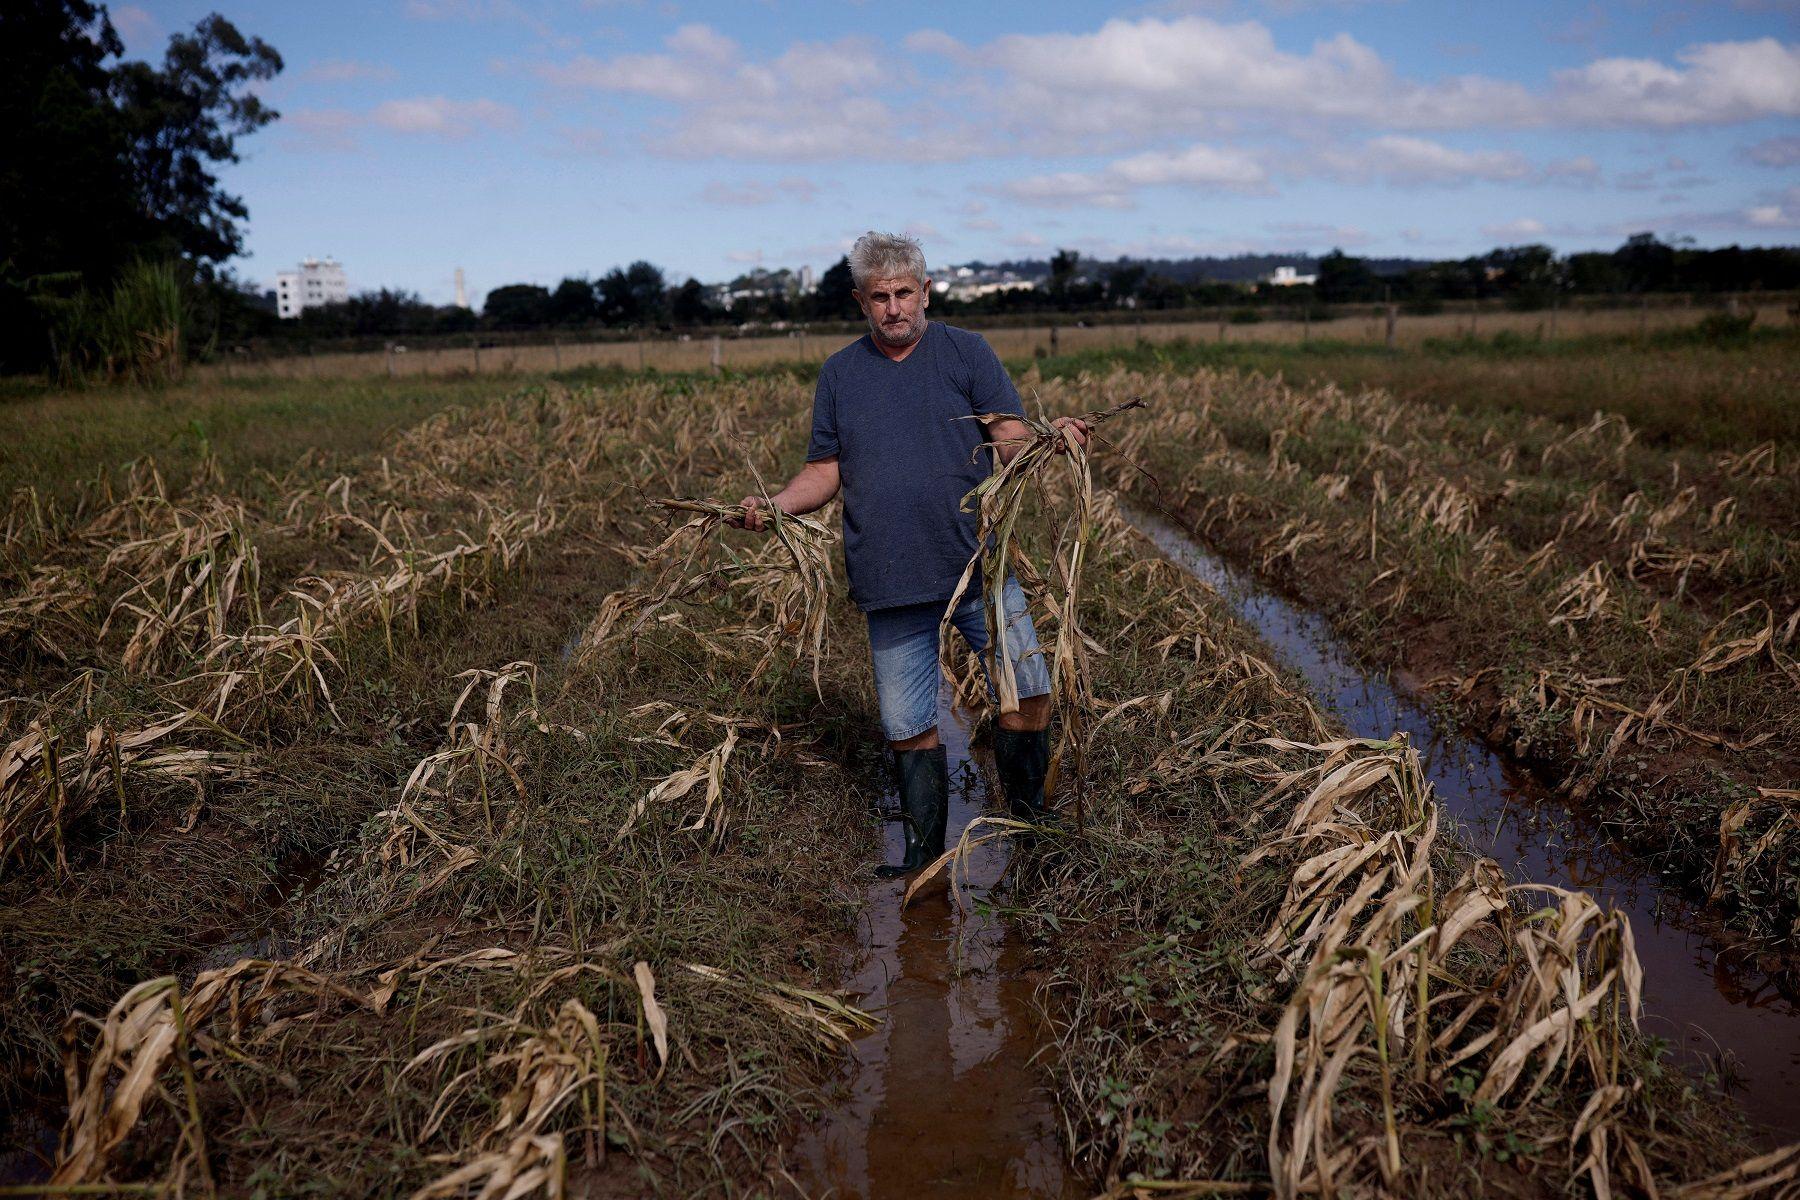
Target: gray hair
{"points": [[884, 256]]}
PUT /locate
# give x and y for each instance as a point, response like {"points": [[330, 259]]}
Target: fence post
{"points": [[1555, 303], [556, 349], [1474, 313], [641, 351], [1221, 322], [1054, 347], [478, 356], [1393, 319], [718, 353], [803, 355], [390, 360], [1306, 322]]}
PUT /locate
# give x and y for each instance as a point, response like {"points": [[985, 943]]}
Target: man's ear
{"points": [[926, 302], [860, 302]]}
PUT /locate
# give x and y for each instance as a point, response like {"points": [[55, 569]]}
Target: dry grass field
{"points": [[394, 800]]}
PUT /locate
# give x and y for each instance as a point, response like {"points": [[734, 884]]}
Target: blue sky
{"points": [[525, 140]]}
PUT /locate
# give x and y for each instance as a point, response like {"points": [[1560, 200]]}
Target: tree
{"points": [[692, 306], [634, 295], [832, 300], [65, 202], [574, 303], [1530, 276], [517, 306], [1343, 279], [181, 120], [1125, 281], [102, 167], [1646, 264], [1062, 272]]}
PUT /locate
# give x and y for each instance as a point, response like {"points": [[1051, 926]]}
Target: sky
{"points": [[524, 140]]}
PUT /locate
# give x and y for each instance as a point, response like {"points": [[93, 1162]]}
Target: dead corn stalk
{"points": [[999, 501]]}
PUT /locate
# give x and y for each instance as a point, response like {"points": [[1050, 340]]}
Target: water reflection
{"points": [[943, 1099]]}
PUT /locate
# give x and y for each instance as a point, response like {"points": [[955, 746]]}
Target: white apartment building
{"points": [[318, 281], [1290, 277]]}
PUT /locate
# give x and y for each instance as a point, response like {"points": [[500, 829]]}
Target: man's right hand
{"points": [[752, 518]]}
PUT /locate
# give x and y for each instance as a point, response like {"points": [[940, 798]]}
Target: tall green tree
{"points": [[517, 306], [181, 121], [832, 299], [634, 295], [104, 163], [1344, 279]]}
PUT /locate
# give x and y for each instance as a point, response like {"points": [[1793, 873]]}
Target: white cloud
{"points": [[755, 193], [1402, 159], [1192, 73], [1580, 169], [136, 28], [1185, 73], [1201, 167], [1775, 152], [1197, 166], [345, 70], [418, 116], [813, 101], [1067, 189], [1524, 227], [1316, 234], [440, 116], [1719, 82]]}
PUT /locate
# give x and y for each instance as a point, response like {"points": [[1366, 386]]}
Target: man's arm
{"points": [[1009, 436], [809, 491]]}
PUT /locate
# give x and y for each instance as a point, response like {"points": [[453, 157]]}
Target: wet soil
{"points": [[1722, 1013], [945, 1098]]}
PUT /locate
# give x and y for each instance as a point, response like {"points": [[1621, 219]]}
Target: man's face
{"points": [[896, 308]]}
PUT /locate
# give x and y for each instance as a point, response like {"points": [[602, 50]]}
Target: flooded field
{"points": [[1724, 1016]]}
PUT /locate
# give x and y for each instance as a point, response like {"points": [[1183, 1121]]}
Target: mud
{"points": [[1721, 1013], [944, 1098]]}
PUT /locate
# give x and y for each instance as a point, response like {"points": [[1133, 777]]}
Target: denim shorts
{"points": [[903, 641]]}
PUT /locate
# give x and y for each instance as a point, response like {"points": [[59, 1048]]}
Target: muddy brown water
{"points": [[945, 1098], [1719, 1012]]}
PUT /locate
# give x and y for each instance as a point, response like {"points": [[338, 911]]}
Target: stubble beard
{"points": [[906, 335]]}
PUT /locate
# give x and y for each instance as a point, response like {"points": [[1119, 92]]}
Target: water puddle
{"points": [[943, 1099], [1716, 1008]]}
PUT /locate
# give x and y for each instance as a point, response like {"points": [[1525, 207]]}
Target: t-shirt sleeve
{"points": [[824, 443], [991, 389]]}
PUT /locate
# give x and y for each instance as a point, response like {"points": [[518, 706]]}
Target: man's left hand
{"points": [[1077, 428]]}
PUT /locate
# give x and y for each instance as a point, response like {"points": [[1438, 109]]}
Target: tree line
{"points": [[640, 296], [113, 224]]}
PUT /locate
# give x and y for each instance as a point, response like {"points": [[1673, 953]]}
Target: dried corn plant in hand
{"points": [[1000, 502], [787, 581]]}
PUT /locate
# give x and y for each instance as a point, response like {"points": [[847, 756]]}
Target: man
{"points": [[886, 432]]}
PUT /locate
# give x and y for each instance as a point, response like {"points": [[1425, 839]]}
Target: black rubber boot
{"points": [[924, 807], [1022, 759]]}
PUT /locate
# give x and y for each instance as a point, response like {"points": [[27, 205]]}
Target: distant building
{"points": [[462, 291], [318, 281], [1290, 277], [806, 280], [967, 283]]}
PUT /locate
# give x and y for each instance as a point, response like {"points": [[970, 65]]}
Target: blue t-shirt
{"points": [[905, 461]]}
